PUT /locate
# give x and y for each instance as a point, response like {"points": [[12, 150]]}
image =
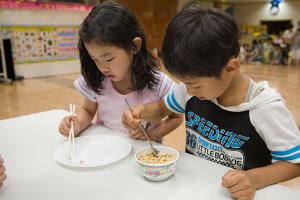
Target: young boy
{"points": [[230, 119]]}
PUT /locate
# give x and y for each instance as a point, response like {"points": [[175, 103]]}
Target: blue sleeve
{"points": [[176, 100]]}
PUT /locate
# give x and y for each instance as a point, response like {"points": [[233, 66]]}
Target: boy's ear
{"points": [[137, 41], [233, 65]]}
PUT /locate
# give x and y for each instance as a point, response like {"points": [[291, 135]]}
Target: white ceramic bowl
{"points": [[157, 172]]}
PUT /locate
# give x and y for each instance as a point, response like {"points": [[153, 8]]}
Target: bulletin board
{"points": [[42, 43], [252, 29]]}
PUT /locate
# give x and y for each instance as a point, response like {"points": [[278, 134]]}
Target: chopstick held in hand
{"points": [[71, 138]]}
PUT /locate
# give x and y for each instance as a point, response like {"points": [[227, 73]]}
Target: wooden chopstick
{"points": [[73, 134], [71, 138]]}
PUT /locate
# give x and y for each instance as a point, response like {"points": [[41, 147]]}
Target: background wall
{"points": [[253, 13], [153, 15], [43, 17]]}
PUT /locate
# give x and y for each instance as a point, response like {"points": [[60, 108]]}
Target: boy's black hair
{"points": [[199, 42], [115, 25]]}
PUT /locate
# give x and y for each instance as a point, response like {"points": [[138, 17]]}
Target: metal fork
{"points": [[155, 151]]}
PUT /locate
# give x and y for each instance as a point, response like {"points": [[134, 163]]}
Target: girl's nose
{"points": [[101, 67]]}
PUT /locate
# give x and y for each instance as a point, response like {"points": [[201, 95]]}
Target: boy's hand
{"points": [[240, 184], [65, 125], [2, 171], [132, 119]]}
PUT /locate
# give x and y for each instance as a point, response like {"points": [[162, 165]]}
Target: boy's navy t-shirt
{"points": [[251, 135]]}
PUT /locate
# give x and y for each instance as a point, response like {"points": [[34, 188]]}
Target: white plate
{"points": [[93, 151]]}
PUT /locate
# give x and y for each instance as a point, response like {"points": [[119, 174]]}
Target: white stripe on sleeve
{"points": [[278, 129], [165, 86]]}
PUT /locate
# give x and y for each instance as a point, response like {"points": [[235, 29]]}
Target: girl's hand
{"points": [[132, 119], [138, 135], [240, 184], [2, 171], [65, 125]]}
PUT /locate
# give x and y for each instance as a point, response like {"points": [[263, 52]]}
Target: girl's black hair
{"points": [[115, 25], [199, 42]]}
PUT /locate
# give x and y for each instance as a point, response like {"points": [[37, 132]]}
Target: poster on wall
{"points": [[42, 43], [34, 5]]}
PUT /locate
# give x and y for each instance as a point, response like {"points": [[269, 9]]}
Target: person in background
{"points": [[278, 39], [276, 57], [288, 36], [257, 55], [243, 54], [296, 48], [267, 50]]}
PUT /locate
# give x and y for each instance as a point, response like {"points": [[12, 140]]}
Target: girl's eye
{"points": [[109, 60]]}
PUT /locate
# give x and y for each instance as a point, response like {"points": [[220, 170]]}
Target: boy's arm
{"points": [[171, 122], [277, 172], [157, 111], [277, 127], [243, 184], [174, 102]]}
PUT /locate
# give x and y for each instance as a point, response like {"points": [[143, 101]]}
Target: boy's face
{"points": [[208, 88]]}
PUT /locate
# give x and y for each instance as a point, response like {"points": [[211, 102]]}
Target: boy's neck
{"points": [[236, 93]]}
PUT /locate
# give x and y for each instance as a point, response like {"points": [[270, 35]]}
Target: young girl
{"points": [[115, 66]]}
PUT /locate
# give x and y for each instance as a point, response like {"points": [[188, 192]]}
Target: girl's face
{"points": [[112, 61]]}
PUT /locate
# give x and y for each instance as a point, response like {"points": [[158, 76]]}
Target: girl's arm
{"points": [[154, 111], [86, 114], [80, 121], [151, 112]]}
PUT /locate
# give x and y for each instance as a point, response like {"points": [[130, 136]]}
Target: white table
{"points": [[27, 144]]}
